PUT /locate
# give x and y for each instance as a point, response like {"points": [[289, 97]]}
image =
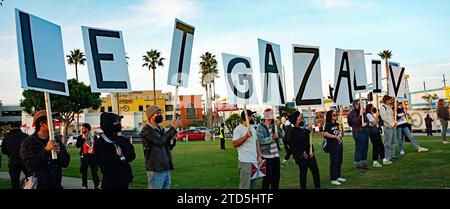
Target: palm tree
{"points": [[76, 57], [386, 55], [152, 59], [208, 72]]}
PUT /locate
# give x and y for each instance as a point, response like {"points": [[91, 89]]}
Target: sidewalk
{"points": [[67, 182]]}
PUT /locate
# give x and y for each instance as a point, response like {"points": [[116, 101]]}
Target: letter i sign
{"points": [[258, 171]]}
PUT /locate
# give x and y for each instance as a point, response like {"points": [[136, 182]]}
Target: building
{"points": [[191, 111], [10, 115]]}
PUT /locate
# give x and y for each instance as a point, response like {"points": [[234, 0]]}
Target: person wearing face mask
{"points": [[298, 139], [114, 153], [86, 143], [158, 144]]}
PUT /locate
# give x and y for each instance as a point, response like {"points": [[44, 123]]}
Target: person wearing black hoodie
{"points": [[298, 139], [36, 155], [114, 153], [11, 147]]}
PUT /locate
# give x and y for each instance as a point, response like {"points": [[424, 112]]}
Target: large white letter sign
{"points": [[358, 70], [106, 60], [180, 57], [343, 92], [307, 75], [396, 81], [376, 77], [239, 79], [41, 54], [270, 70]]}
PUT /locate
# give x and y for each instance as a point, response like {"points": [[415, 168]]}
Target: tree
{"points": [[208, 74], [233, 121], [386, 55], [76, 57], [80, 98], [152, 60]]}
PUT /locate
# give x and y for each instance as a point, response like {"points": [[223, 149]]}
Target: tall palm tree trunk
{"points": [[154, 87], [78, 115], [210, 106], [387, 75], [207, 105], [76, 71]]}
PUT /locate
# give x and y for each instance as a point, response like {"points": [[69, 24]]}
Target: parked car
{"points": [[134, 136], [191, 135], [203, 129]]}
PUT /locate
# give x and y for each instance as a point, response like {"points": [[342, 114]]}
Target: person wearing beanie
{"points": [[158, 144], [36, 155], [113, 153]]}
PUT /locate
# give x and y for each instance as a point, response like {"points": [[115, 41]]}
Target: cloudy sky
{"points": [[417, 31]]}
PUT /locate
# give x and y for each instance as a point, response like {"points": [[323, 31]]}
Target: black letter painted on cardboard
{"points": [[355, 84], [97, 57], [396, 83], [376, 87], [30, 65], [344, 74], [186, 29], [299, 98], [271, 69], [244, 95]]}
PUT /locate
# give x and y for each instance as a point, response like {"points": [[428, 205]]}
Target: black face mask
{"points": [[302, 123], [117, 128], [159, 119], [252, 122]]}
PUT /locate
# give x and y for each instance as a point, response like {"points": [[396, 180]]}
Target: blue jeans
{"points": [[361, 145], [444, 129], [389, 142], [408, 134], [158, 180]]}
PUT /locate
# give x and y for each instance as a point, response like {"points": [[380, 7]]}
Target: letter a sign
{"points": [[41, 55], [271, 73]]}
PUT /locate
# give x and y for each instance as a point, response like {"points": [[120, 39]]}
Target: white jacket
{"points": [[387, 114]]}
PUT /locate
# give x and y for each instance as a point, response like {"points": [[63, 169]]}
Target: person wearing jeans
{"points": [[444, 117], [402, 128], [360, 135], [333, 137], [390, 132]]}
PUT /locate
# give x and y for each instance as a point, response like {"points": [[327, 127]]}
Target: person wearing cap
{"points": [[249, 152], [36, 154], [11, 147], [390, 132], [268, 141], [86, 142], [113, 153], [360, 134], [158, 144]]}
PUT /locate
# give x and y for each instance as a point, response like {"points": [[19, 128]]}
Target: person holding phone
{"points": [[158, 145]]}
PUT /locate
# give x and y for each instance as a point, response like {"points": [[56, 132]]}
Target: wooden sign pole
{"points": [[50, 123]]}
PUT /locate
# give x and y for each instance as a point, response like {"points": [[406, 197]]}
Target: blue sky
{"points": [[417, 31]]}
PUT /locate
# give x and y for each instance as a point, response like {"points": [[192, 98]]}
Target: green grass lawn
{"points": [[203, 165]]}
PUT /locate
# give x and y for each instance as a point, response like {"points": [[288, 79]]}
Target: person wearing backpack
{"points": [[334, 146], [360, 135]]}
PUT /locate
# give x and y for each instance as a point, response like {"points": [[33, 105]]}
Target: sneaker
{"points": [[386, 162], [402, 152], [341, 180], [445, 142], [376, 164], [85, 187], [337, 183], [421, 149]]}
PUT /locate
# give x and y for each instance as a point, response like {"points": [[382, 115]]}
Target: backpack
{"points": [[350, 120]]}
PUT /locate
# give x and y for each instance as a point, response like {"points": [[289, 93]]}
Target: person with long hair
{"points": [[375, 135], [333, 137], [402, 128], [444, 117]]}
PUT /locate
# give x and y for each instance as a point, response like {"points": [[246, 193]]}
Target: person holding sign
{"points": [[375, 136], [114, 153], [402, 128], [268, 140], [249, 152], [298, 139], [334, 146], [35, 153], [360, 135], [158, 144], [390, 132]]}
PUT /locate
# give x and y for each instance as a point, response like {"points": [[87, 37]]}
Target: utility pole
{"points": [[444, 80], [424, 87]]}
